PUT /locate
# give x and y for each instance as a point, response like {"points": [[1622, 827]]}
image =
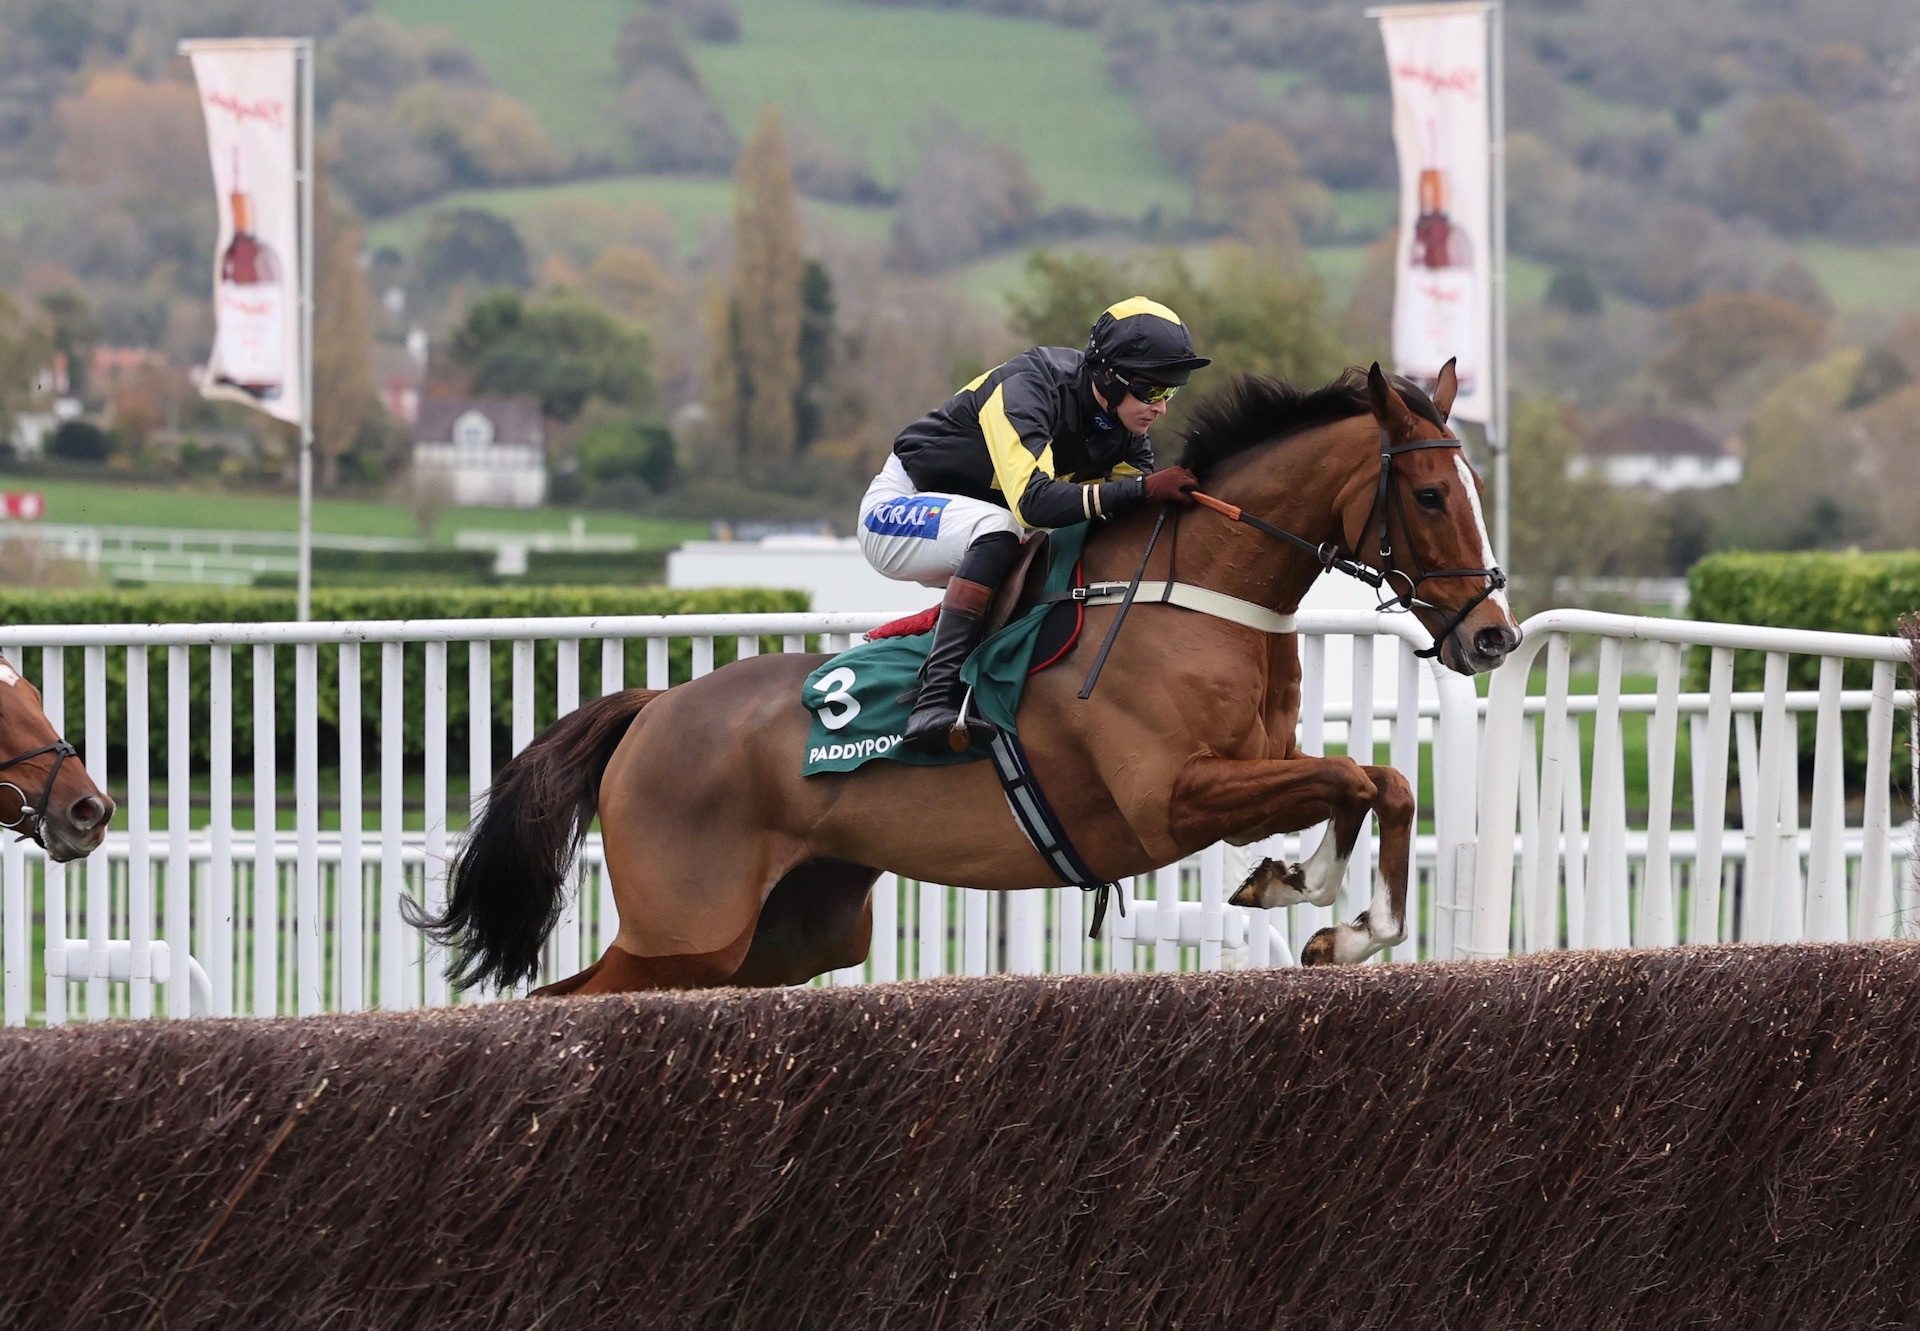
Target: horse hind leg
{"points": [[619, 971], [818, 918]]}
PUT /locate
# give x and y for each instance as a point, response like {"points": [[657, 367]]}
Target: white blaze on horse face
{"points": [[8, 675], [1480, 521]]}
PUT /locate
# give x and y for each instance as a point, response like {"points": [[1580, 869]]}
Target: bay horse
{"points": [[43, 797], [729, 868]]}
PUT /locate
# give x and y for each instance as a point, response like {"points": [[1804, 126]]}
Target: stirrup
{"points": [[966, 729]]}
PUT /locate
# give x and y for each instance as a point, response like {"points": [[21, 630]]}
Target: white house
{"points": [[482, 450], [1662, 452]]}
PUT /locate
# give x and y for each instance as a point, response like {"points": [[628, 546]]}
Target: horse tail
{"points": [[506, 885]]}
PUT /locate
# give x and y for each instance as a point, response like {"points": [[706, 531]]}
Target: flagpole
{"points": [[1497, 436], [303, 61]]}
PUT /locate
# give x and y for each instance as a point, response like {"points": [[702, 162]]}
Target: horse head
{"points": [[1423, 529], [43, 795]]}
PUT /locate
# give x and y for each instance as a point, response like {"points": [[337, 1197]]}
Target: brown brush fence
{"points": [[1718, 1136]]}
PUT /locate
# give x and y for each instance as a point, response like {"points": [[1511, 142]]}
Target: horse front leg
{"points": [[1217, 798], [1383, 924]]}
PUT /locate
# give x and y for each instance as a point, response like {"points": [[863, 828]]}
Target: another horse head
{"points": [[1423, 527], [45, 791]]}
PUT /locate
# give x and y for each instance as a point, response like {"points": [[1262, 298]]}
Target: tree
{"points": [[344, 394], [810, 400], [1562, 527], [74, 331], [472, 245], [966, 196], [564, 350], [1249, 315], [767, 300], [1722, 336], [25, 345], [1792, 167], [133, 138], [1252, 178], [626, 449]]}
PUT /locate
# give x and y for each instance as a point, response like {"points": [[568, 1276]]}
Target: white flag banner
{"points": [[247, 93], [1442, 291]]}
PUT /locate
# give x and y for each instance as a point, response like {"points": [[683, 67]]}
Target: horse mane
{"points": [[1254, 409]]}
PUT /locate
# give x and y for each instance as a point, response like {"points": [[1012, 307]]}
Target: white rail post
{"points": [[1656, 892], [433, 730], [310, 980], [53, 701], [99, 868], [266, 815], [139, 833], [395, 952], [179, 908], [351, 890], [1826, 908], [219, 950]]}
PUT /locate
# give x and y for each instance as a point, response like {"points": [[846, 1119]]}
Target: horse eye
{"points": [[1431, 498]]}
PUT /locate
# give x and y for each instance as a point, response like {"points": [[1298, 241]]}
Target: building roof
{"points": [[1655, 434], [516, 420]]}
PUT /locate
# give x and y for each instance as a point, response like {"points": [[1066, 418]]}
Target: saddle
{"points": [[1024, 587]]}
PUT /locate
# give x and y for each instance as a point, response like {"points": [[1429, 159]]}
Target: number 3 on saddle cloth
{"points": [[861, 698]]}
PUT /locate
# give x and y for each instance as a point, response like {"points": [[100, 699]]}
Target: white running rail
{"points": [[287, 895], [1562, 863]]}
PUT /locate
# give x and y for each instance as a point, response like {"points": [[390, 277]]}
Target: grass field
{"points": [[563, 70], [1884, 279], [874, 77], [691, 203], [103, 504]]}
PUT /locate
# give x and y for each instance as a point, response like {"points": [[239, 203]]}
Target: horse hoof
{"points": [[1272, 883], [1319, 949]]}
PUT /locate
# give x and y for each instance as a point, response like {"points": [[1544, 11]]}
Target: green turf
{"points": [[1364, 211], [103, 504], [1884, 279], [560, 65], [691, 203], [874, 77]]}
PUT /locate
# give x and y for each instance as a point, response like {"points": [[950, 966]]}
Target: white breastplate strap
{"points": [[1189, 597]]}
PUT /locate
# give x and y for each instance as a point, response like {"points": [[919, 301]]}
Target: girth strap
{"points": [[1188, 597], [1042, 826]]}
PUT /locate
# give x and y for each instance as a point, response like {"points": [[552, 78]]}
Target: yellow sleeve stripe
{"points": [[974, 387], [1125, 469], [1013, 464], [1133, 305]]}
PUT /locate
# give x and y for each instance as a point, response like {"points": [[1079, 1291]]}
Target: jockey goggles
{"points": [[1150, 393]]}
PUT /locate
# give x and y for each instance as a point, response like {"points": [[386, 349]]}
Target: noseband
{"points": [[35, 810], [1401, 586]]}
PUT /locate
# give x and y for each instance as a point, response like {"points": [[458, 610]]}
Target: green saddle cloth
{"points": [[861, 698]]}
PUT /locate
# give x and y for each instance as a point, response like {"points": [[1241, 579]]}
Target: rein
{"points": [[37, 830], [1386, 503]]}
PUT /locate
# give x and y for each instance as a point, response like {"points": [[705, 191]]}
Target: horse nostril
{"points": [[89, 811], [1493, 642]]}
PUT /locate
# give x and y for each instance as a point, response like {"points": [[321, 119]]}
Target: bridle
{"points": [[37, 809], [1401, 586]]}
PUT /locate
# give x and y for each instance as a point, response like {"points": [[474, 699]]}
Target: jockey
{"points": [[1051, 438]]}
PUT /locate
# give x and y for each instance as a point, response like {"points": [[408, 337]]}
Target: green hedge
{"points": [[142, 606], [1837, 593]]}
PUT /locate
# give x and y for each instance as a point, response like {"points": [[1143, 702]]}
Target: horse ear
{"points": [[1445, 388], [1388, 409]]}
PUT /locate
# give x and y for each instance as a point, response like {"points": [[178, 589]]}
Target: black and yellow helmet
{"points": [[1143, 337]]}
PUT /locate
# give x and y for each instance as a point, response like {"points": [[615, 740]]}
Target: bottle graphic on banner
{"points": [[252, 307], [1440, 281]]}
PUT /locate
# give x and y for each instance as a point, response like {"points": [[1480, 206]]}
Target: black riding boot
{"points": [[935, 722]]}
